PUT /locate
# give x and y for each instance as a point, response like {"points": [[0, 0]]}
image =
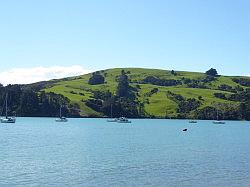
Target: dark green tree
{"points": [[245, 110], [96, 78], [29, 103], [212, 72], [123, 85], [173, 73]]}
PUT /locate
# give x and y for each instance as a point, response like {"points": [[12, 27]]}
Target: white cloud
{"points": [[36, 74]]}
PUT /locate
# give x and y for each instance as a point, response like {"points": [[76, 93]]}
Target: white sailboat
{"points": [[61, 118], [218, 120], [7, 119], [111, 119]]}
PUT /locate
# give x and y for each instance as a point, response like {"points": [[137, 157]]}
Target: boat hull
{"points": [[112, 120], [61, 120], [192, 121], [123, 121]]}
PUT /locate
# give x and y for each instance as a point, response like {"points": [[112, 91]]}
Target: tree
{"points": [[173, 73], [161, 82], [29, 104], [212, 72], [96, 78], [245, 110], [208, 113], [123, 85]]}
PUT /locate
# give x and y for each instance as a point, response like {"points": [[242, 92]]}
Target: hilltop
{"points": [[157, 93]]}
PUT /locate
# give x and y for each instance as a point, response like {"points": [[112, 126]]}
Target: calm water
{"points": [[93, 152]]}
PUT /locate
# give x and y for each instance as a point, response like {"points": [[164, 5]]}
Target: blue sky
{"points": [[191, 35]]}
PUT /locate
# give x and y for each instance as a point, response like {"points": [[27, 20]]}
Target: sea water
{"points": [[146, 152]]}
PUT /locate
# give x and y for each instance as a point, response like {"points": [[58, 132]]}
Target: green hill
{"points": [[160, 104]]}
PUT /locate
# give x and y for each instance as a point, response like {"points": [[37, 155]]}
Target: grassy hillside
{"points": [[158, 104]]}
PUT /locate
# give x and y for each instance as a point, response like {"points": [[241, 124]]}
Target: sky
{"points": [[45, 39]]}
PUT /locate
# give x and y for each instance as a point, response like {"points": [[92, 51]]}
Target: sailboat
{"points": [[218, 120], [123, 120], [111, 115], [7, 119], [61, 118]]}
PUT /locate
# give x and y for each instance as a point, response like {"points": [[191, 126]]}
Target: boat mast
{"points": [[6, 106]]}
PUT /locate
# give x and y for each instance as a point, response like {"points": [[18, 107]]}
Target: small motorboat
{"points": [[184, 130], [8, 120], [123, 120]]}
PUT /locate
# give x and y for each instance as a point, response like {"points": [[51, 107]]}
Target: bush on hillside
{"points": [[225, 87], [220, 95], [242, 81], [161, 82], [96, 78], [212, 72]]}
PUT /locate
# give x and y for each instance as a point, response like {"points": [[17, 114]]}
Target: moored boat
{"points": [[192, 121], [111, 119], [123, 120], [7, 119], [218, 121], [61, 118]]}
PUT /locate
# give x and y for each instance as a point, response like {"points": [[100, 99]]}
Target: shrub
{"points": [[96, 78]]}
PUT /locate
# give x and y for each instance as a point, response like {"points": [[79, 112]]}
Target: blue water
{"points": [[93, 152]]}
